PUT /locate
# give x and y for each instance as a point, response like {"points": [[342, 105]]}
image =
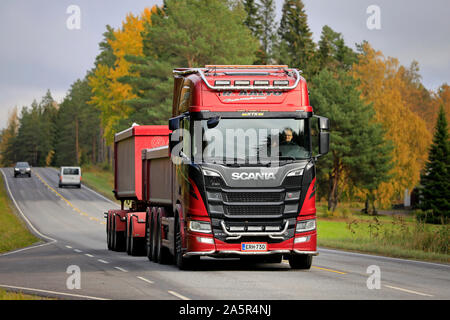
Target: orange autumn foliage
{"points": [[383, 85]]}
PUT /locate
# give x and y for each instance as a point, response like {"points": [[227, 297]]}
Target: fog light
{"points": [[205, 240], [301, 239]]}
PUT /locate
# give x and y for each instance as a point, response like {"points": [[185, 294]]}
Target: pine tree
{"points": [[296, 46], [359, 154], [435, 181], [267, 30], [333, 53], [185, 34]]}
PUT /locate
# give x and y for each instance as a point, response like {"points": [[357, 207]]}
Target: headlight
{"points": [[28, 169], [199, 226], [305, 225], [16, 169], [210, 173]]}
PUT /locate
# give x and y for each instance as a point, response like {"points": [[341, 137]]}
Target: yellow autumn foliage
{"points": [[382, 85], [108, 93]]}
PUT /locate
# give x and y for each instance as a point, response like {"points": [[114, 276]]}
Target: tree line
{"points": [[381, 114]]}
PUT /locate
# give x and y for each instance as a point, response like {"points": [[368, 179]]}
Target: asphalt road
{"points": [[70, 222]]}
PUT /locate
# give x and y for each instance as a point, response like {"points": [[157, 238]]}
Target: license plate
{"points": [[253, 246]]}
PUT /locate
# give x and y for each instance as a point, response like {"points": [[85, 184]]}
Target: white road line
{"points": [[409, 291], [68, 247], [77, 250], [176, 294], [374, 256], [146, 280], [52, 292], [121, 269], [102, 261], [89, 255]]}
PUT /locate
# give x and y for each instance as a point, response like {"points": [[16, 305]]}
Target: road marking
{"points": [[77, 250], [52, 292], [374, 256], [102, 261], [67, 201], [119, 268], [89, 255], [178, 295], [329, 270], [146, 280], [68, 247], [409, 291]]}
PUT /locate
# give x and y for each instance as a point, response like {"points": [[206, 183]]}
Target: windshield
{"points": [[22, 165], [253, 140], [71, 171]]}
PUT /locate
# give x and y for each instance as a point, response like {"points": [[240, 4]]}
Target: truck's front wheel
{"points": [[300, 261]]}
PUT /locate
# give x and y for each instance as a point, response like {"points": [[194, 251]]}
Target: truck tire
{"points": [[108, 232], [128, 237], [162, 254], [148, 236], [300, 261], [118, 241], [135, 245], [183, 263]]}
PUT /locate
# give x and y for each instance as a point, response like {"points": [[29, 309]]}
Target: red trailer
{"points": [[236, 179]]}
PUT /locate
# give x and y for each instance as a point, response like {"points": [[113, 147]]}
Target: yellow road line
{"points": [[67, 201], [329, 270]]}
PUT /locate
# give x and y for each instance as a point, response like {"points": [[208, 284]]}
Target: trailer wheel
{"points": [[182, 263], [163, 256], [300, 261], [148, 236], [128, 237], [118, 241], [108, 232], [154, 236], [135, 244]]}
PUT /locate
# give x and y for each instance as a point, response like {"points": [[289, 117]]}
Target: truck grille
{"points": [[254, 196], [254, 210]]}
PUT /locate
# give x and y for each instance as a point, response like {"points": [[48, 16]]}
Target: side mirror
{"points": [[324, 142], [324, 135]]}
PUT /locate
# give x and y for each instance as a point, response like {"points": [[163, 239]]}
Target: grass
{"points": [[395, 236], [13, 232], [99, 179], [5, 295]]}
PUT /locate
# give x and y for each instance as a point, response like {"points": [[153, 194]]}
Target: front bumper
{"points": [[218, 248]]}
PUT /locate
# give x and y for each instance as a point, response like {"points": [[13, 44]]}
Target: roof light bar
{"points": [[222, 82], [281, 82], [242, 82], [261, 82]]}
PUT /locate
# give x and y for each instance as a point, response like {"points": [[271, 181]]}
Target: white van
{"points": [[70, 176]]}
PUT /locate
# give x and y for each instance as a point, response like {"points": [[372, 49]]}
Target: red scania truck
{"points": [[232, 175]]}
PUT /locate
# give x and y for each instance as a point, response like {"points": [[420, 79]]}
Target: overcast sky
{"points": [[38, 51]]}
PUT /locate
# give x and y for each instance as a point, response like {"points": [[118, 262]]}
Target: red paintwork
{"points": [[138, 227], [118, 215], [144, 137], [309, 205]]}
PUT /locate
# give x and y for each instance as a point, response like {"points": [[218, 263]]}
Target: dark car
{"points": [[22, 168]]}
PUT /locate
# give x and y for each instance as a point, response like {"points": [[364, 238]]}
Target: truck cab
{"points": [[244, 170]]}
